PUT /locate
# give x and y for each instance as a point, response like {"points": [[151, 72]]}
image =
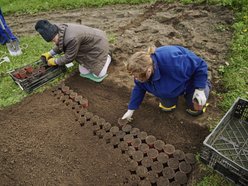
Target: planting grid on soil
{"points": [[151, 161]]}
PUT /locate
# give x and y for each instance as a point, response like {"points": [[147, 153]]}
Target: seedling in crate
{"points": [[32, 76]]}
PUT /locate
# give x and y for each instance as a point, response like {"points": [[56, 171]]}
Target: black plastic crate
{"points": [[225, 149], [34, 80]]}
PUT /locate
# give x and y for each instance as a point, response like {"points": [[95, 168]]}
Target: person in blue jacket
{"points": [[168, 72]]}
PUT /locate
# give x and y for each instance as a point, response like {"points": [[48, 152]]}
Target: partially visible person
{"points": [[8, 38], [168, 72], [87, 46]]}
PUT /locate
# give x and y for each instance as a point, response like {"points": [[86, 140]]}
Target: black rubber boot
{"points": [[194, 112]]}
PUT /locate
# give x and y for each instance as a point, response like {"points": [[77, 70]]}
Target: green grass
{"points": [[235, 78], [211, 177], [34, 6], [10, 93]]}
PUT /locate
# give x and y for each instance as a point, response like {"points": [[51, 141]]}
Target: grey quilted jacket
{"points": [[88, 46]]}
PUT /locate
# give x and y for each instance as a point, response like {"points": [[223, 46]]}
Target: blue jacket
{"points": [[176, 71]]}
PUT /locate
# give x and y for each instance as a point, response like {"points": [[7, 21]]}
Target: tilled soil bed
{"points": [[46, 140]]}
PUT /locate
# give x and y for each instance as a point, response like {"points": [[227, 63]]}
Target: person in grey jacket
{"points": [[87, 46]]}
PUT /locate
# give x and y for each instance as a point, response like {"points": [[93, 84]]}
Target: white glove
{"points": [[200, 96], [128, 115]]}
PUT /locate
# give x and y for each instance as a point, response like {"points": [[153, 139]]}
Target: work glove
{"points": [[51, 62], [46, 55], [128, 115], [200, 96]]}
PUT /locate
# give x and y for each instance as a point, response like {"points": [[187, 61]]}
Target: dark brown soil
{"points": [[41, 143], [109, 101]]}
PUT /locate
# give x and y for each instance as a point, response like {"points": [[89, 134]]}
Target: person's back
{"points": [[91, 45], [83, 30], [88, 46], [168, 72]]}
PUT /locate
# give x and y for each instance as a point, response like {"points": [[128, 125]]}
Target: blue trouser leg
{"points": [[4, 38], [168, 104]]}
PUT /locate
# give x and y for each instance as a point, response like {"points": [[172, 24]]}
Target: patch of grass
{"points": [[111, 38], [235, 75], [34, 46], [34, 6], [213, 179], [221, 27], [9, 93]]}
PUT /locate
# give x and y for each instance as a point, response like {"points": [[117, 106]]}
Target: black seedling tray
{"points": [[31, 77]]}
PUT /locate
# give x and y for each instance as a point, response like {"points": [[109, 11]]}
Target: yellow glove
{"points": [[51, 62], [47, 55]]}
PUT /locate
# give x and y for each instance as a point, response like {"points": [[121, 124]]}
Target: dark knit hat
{"points": [[47, 30]]}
